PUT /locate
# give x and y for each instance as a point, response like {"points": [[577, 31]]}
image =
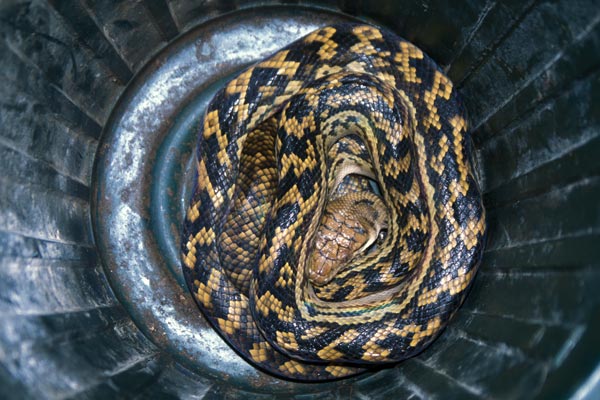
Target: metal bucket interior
{"points": [[91, 297]]}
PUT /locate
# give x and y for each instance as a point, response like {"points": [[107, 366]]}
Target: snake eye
{"points": [[382, 235], [378, 241]]}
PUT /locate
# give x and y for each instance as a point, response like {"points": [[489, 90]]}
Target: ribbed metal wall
{"points": [[530, 77]]}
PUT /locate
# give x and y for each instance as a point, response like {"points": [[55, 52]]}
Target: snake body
{"points": [[349, 108]]}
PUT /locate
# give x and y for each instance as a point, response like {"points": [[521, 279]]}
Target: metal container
{"points": [[100, 103]]}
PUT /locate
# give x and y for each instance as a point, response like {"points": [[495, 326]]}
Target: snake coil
{"points": [[347, 109]]}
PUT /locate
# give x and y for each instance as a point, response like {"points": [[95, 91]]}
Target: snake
{"points": [[336, 221]]}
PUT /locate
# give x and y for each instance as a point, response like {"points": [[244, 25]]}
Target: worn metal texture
{"points": [[91, 300]]}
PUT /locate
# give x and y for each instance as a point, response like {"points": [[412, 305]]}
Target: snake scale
{"points": [[336, 223]]}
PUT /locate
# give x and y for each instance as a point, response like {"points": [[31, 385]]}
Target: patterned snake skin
{"points": [[336, 223]]}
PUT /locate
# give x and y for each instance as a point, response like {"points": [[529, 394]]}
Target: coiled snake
{"points": [[336, 222]]}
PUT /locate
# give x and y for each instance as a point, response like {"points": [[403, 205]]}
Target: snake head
{"points": [[350, 225]]}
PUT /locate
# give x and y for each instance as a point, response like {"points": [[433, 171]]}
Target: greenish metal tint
{"points": [[529, 74], [172, 171]]}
